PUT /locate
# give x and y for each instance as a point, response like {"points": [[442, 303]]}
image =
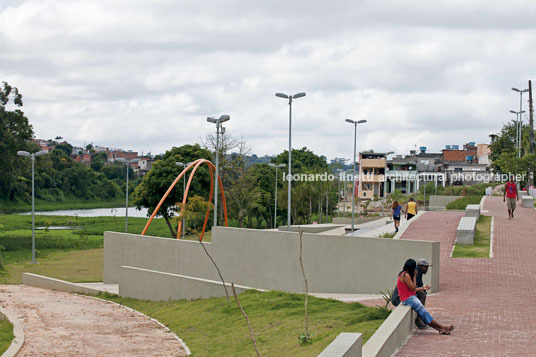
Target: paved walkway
{"points": [[62, 324], [491, 301]]}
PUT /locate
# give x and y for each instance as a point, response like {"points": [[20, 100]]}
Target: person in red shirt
{"points": [[407, 286], [510, 196]]}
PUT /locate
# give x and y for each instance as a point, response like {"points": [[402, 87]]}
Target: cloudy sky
{"points": [[144, 75]]}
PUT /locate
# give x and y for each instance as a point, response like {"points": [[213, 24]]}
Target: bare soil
{"points": [[62, 324]]}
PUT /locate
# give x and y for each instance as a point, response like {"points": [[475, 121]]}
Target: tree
{"points": [[98, 160], [15, 131], [157, 181]]}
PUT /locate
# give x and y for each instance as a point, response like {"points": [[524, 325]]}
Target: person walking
{"points": [[407, 288], [510, 196], [395, 214], [411, 211]]}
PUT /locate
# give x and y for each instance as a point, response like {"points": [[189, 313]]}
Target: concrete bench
{"points": [[527, 201], [522, 194], [472, 211], [465, 233]]}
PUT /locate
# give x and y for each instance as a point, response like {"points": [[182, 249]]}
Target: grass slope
{"points": [[6, 335], [462, 202], [210, 328], [480, 248]]}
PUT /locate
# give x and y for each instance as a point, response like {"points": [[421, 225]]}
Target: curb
{"points": [[18, 332]]}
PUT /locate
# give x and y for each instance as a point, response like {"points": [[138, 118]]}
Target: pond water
{"points": [[96, 212]]}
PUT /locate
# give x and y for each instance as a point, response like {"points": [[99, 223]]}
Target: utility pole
{"points": [[531, 135]]}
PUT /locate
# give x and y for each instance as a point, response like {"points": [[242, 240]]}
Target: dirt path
{"points": [[62, 324]]}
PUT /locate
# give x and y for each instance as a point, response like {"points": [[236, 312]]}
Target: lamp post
{"points": [[339, 193], [275, 209], [33, 155], [289, 181], [385, 181], [183, 191], [127, 162], [218, 122], [520, 91], [518, 130], [353, 178]]}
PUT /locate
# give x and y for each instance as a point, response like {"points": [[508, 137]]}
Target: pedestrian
{"points": [[411, 211], [395, 214], [510, 196], [407, 289], [422, 269]]}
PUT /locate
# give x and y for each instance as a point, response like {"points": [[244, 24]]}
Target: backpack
{"points": [[395, 299]]}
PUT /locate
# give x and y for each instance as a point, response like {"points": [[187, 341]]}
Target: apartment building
{"points": [[371, 175]]}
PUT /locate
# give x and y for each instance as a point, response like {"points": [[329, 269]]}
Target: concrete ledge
{"points": [[18, 333], [392, 333], [154, 285], [311, 228], [438, 201], [346, 344], [55, 284], [527, 201]]}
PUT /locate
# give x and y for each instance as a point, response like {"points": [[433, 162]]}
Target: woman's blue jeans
{"points": [[419, 308]]}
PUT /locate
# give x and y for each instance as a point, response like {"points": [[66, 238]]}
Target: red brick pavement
{"points": [[492, 302]]}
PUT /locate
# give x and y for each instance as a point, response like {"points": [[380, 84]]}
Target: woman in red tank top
{"points": [[407, 287]]}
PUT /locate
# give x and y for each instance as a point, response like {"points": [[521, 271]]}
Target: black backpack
{"points": [[395, 299]]}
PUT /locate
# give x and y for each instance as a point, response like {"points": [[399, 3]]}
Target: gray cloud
{"points": [[138, 74]]}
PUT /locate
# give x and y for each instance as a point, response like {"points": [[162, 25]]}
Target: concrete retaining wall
{"points": [[270, 260], [310, 228], [55, 284], [346, 344], [158, 286]]}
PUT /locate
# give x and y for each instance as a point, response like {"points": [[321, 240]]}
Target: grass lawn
{"points": [[462, 202], [69, 203], [78, 266], [6, 335], [480, 249], [210, 328]]}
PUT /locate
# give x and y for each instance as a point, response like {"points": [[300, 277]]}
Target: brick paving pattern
{"points": [[490, 301]]}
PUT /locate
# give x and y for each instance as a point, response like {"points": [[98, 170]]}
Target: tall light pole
{"points": [[33, 155], [183, 191], [385, 180], [275, 209], [520, 91], [339, 193], [127, 162], [353, 178], [289, 181], [218, 122], [518, 130]]}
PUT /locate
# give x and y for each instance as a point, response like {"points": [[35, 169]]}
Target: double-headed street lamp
{"points": [[218, 122], [275, 209], [127, 162], [520, 91], [289, 97], [183, 191], [353, 178], [33, 155]]}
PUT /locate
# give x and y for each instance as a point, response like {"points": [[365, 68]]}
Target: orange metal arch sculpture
{"points": [[195, 165]]}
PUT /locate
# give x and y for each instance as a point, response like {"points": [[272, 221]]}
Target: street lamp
{"points": [[339, 193], [275, 209], [33, 155], [385, 180], [518, 130], [218, 122], [353, 179], [520, 91], [127, 162], [289, 97], [183, 191]]}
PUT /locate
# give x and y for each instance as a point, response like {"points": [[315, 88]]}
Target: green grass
{"points": [[210, 328], [77, 266], [386, 235], [20, 206], [6, 335], [462, 202], [480, 248]]}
